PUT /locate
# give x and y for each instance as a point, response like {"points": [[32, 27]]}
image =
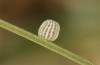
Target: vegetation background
{"points": [[80, 30]]}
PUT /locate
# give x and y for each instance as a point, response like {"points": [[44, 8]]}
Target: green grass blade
{"points": [[49, 45]]}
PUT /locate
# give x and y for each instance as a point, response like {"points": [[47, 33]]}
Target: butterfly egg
{"points": [[49, 30]]}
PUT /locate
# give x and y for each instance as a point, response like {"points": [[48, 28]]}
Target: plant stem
{"points": [[49, 45]]}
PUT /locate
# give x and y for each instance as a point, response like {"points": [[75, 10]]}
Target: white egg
{"points": [[49, 30]]}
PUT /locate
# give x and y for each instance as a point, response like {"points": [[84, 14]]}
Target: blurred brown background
{"points": [[80, 30]]}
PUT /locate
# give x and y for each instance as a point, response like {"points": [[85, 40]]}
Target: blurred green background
{"points": [[80, 30]]}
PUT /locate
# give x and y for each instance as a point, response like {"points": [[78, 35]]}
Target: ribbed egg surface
{"points": [[49, 30]]}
